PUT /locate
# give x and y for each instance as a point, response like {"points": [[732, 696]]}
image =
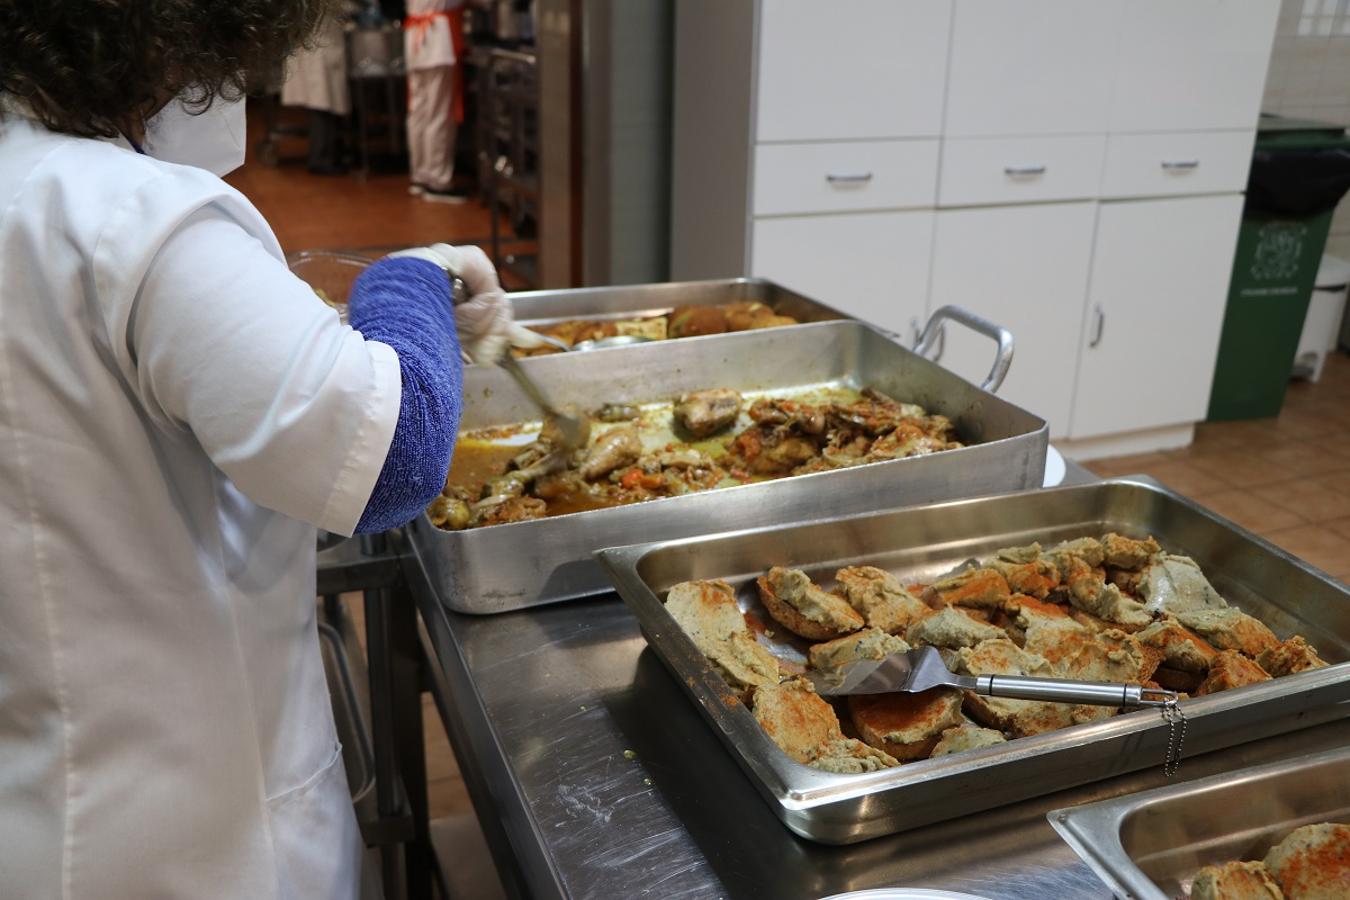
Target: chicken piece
{"points": [[704, 413], [906, 726], [1089, 550], [694, 321], [879, 596], [1230, 629], [803, 608], [772, 451], [1113, 606], [1235, 881], [1289, 657], [1022, 718], [1230, 669], [617, 412], [707, 612], [803, 417], [1128, 553], [1036, 578], [906, 439], [980, 588], [951, 628], [1175, 584], [504, 511], [750, 316], [870, 643], [614, 449], [805, 728], [1313, 862], [877, 414], [966, 737]]}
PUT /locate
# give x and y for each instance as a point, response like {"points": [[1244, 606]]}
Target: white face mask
{"points": [[213, 140]]}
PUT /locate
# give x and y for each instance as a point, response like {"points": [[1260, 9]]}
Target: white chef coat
{"points": [[427, 41], [177, 414], [317, 78]]}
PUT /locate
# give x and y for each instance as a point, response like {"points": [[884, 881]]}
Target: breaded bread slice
{"points": [[1128, 553], [1235, 881], [707, 612], [805, 728], [1035, 578], [966, 737], [979, 588], [1175, 584], [881, 599], [907, 726], [1313, 862], [1020, 717], [1181, 648], [1230, 629], [801, 607], [951, 628], [870, 643], [1229, 670], [1289, 657]]}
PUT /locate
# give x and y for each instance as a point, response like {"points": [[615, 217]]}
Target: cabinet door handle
{"points": [[848, 178], [1023, 171], [1099, 326], [1180, 165]]}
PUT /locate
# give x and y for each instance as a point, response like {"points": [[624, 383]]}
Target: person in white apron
{"points": [[177, 415], [429, 51], [316, 79]]}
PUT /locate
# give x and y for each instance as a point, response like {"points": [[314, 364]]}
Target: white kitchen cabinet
{"points": [[1026, 268], [851, 68], [979, 171], [843, 176], [1033, 67], [1177, 162], [871, 265], [1198, 64], [1156, 298]]}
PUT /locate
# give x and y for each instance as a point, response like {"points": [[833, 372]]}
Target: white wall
{"points": [[1310, 78]]}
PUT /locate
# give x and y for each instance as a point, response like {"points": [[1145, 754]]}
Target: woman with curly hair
{"points": [[177, 415]]}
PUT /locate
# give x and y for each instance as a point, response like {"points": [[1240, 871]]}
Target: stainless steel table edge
{"points": [[1093, 829], [493, 786]]}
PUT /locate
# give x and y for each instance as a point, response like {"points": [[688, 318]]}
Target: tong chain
{"points": [[1176, 736]]}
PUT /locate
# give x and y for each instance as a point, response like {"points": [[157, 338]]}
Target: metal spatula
{"points": [[922, 669]]}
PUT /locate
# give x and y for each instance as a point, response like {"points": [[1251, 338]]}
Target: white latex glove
{"points": [[484, 320]]}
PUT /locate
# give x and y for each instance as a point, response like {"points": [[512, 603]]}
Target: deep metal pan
{"points": [[1149, 845], [922, 542], [534, 308], [506, 567]]}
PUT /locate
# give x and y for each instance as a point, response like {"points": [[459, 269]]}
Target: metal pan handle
{"points": [[932, 333]]}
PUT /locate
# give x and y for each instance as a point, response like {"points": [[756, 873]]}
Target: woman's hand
{"points": [[484, 321]]}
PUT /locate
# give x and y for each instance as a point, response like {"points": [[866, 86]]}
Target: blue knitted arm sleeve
{"points": [[405, 303]]}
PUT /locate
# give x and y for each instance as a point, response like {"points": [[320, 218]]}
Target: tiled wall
{"points": [[1310, 78]]}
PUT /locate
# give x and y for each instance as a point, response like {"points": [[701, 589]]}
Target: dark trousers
{"points": [[325, 142]]}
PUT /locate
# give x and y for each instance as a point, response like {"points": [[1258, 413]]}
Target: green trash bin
{"points": [[1300, 171]]}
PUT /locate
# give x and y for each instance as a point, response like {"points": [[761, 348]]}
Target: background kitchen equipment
{"points": [[503, 567], [1149, 845], [919, 543]]}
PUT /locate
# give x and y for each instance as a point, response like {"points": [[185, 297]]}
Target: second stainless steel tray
{"points": [[503, 567], [922, 542], [1149, 845]]}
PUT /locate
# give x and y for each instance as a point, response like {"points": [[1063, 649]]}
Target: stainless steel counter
{"points": [[596, 777]]}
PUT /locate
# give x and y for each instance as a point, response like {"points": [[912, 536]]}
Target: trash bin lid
{"points": [[1333, 274]]}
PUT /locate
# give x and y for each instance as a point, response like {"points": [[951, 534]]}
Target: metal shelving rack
{"points": [[508, 142]]}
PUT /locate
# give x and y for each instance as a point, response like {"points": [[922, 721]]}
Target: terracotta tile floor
{"points": [[1286, 478]]}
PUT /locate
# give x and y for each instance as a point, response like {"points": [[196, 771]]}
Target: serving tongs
{"points": [[923, 669]]}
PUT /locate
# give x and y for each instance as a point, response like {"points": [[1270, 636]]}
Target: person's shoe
{"points": [[416, 189], [444, 195]]}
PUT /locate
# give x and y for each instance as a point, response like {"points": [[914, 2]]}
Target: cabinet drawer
{"points": [[851, 68], [1153, 165], [840, 177], [980, 171]]}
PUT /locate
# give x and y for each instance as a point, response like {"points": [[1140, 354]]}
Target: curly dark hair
{"points": [[95, 68]]}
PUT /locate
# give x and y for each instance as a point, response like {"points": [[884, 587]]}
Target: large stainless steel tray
{"points": [[505, 567], [534, 308], [1149, 845], [922, 542]]}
